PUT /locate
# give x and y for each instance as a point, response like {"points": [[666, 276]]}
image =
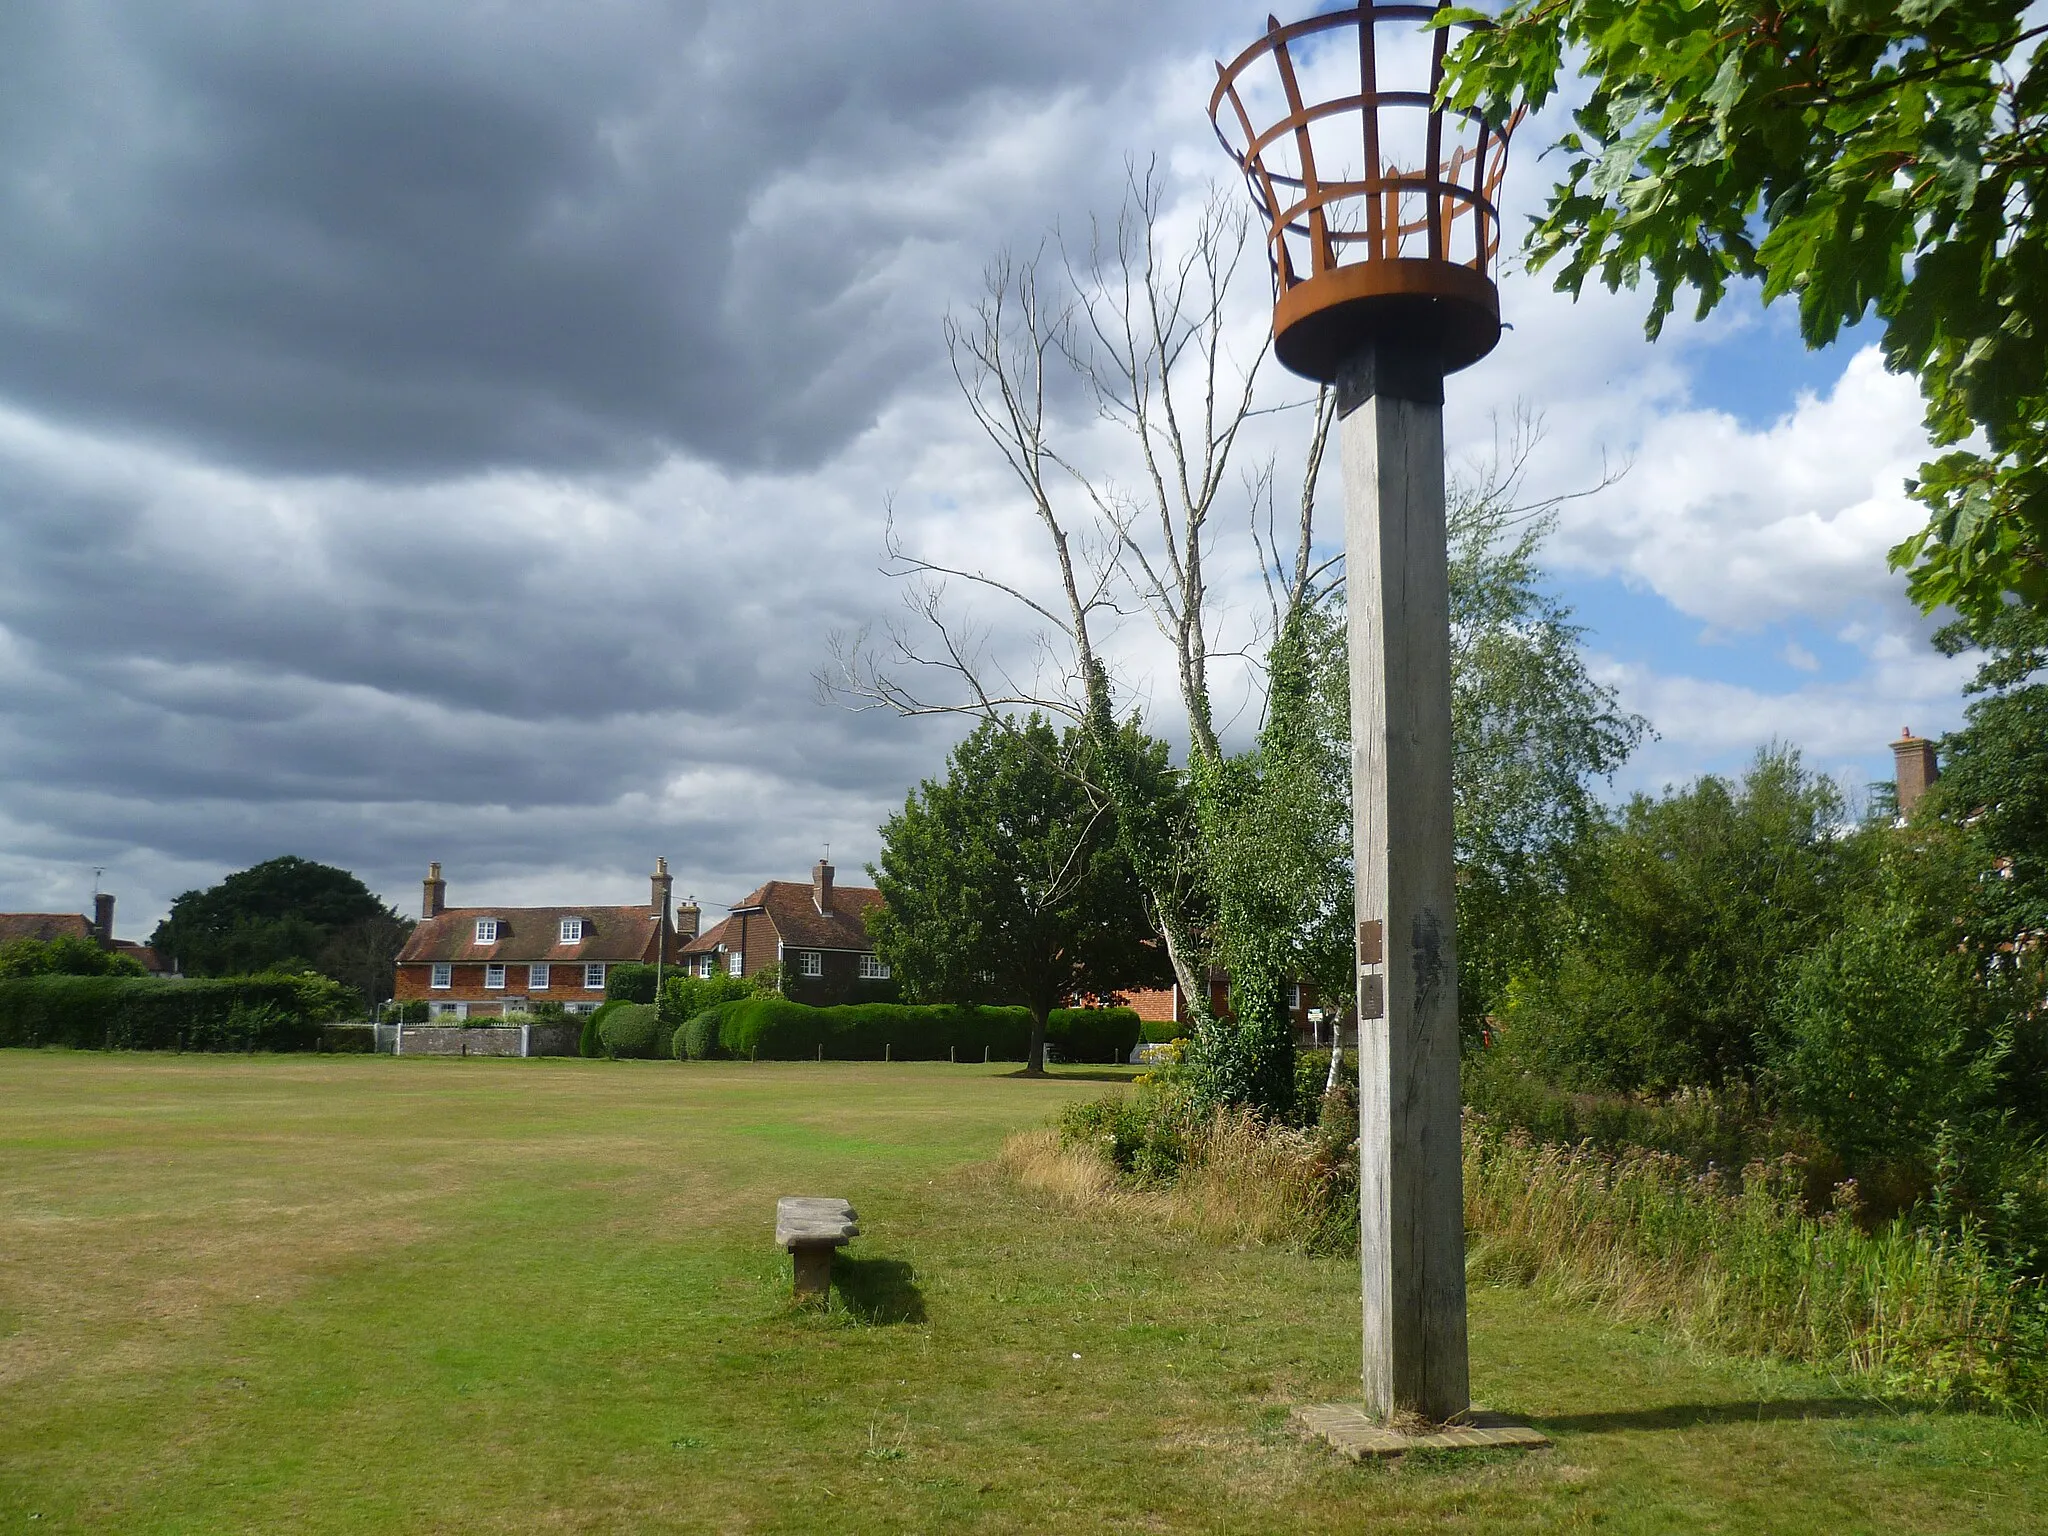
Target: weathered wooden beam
{"points": [[1411, 1205]]}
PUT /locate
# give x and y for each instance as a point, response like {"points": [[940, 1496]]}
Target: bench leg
{"points": [[813, 1263]]}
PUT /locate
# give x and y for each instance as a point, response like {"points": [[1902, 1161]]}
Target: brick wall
{"points": [[445, 1040], [565, 985]]}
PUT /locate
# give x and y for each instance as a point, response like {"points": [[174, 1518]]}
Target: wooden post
{"points": [[1411, 1204]]}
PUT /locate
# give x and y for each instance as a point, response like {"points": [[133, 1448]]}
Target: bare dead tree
{"points": [[1143, 327]]}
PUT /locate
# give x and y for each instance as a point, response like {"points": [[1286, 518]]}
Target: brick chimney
{"points": [[658, 896], [1914, 758], [103, 918], [689, 916], [434, 901], [821, 886]]}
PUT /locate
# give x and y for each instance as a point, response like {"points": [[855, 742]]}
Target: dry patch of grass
{"points": [[1242, 1182]]}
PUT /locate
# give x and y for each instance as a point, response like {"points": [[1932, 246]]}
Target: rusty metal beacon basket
{"points": [[1382, 220]]}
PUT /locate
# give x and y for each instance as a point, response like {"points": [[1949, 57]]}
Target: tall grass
{"points": [[1236, 1180], [1735, 1263], [1641, 1236]]}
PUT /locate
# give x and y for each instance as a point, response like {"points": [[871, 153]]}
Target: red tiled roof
{"points": [[534, 933], [44, 926], [797, 922], [148, 958], [710, 940]]}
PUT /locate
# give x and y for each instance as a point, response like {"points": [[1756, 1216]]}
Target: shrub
{"points": [[149, 1013], [348, 1039], [631, 1030], [1904, 1309], [591, 1043], [1888, 1037], [68, 955], [1094, 1034], [684, 997], [778, 1030], [697, 1039], [630, 982]]}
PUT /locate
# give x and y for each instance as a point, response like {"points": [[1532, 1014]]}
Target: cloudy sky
{"points": [[452, 429]]}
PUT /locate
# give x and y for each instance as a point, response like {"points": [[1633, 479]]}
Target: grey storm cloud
{"points": [[411, 239], [452, 430]]}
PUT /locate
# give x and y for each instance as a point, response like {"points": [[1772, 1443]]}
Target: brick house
{"points": [[1314, 1024], [817, 934], [464, 961], [97, 929]]}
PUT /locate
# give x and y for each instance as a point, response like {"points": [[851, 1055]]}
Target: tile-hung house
{"points": [[817, 934], [466, 961]]}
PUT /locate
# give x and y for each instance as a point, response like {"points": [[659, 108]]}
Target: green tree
{"points": [[1694, 907], [65, 956], [1857, 155], [1005, 882], [283, 914], [1531, 733], [1994, 772], [363, 954]]}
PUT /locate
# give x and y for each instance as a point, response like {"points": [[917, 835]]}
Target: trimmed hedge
{"points": [[630, 981], [696, 1039], [348, 1039], [591, 1042], [631, 1030], [775, 1029], [149, 1013]]}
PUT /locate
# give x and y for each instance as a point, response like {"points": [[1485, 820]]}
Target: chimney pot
{"points": [[434, 896], [821, 886]]}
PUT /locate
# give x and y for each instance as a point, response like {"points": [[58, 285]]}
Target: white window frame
{"points": [[537, 977], [494, 978], [572, 930], [487, 930], [593, 976], [443, 977], [707, 966], [1293, 996], [873, 968], [809, 963], [735, 964]]}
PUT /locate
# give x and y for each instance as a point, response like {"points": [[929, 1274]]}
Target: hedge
{"points": [[775, 1029], [591, 1041], [348, 1039], [149, 1013], [630, 981], [696, 1039], [631, 1030]]}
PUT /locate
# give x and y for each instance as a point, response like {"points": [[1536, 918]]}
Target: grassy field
{"points": [[341, 1294]]}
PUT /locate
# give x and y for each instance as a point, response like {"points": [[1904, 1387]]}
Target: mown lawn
{"points": [[349, 1294]]}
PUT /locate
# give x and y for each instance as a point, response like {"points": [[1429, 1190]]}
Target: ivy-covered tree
{"points": [[1858, 156], [286, 913], [1005, 881]]}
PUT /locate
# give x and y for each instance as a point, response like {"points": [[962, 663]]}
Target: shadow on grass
{"points": [[880, 1291], [1060, 1074], [1696, 1415]]}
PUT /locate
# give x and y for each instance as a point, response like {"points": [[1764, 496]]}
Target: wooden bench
{"points": [[810, 1227]]}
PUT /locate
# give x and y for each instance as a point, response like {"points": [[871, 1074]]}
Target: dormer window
{"points": [[572, 930], [487, 930]]}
